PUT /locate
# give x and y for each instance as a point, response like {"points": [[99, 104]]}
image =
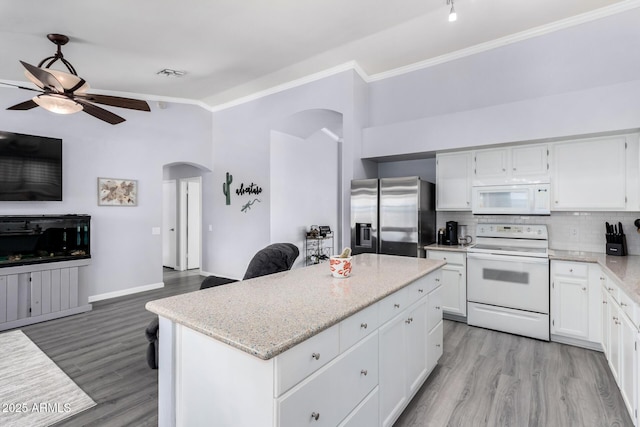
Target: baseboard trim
{"points": [[129, 291], [577, 342], [206, 273]]}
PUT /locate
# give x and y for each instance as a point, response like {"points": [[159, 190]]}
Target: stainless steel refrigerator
{"points": [[394, 216]]}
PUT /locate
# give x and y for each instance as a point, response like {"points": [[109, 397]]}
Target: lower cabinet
{"points": [[39, 292], [576, 303], [361, 372], [454, 282], [620, 343], [408, 352]]}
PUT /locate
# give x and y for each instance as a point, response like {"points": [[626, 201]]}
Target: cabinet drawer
{"points": [[297, 363], [448, 256], [392, 305], [434, 308], [358, 326], [418, 289], [571, 269], [329, 395], [366, 414], [629, 307]]}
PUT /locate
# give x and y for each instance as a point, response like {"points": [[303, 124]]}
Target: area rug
{"points": [[34, 391]]}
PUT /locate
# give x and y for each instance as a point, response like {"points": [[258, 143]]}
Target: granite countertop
{"points": [[452, 248], [267, 315], [626, 269]]}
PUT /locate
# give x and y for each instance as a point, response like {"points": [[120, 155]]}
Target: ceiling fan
{"points": [[66, 93]]}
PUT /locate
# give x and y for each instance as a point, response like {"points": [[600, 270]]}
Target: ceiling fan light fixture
{"points": [[57, 104]]}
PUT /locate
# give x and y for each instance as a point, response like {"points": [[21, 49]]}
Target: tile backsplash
{"points": [[574, 231]]}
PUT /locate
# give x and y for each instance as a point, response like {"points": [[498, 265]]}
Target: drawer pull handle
{"points": [[610, 289], [437, 279], [437, 307], [315, 415], [315, 356], [604, 302], [623, 304], [409, 320], [584, 288], [363, 325], [396, 305], [617, 323], [421, 290], [571, 270], [364, 372], [437, 345]]}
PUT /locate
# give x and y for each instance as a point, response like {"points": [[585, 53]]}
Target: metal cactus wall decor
{"points": [[244, 189], [226, 188]]}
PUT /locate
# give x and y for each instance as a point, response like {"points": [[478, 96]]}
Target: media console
{"points": [[42, 260]]}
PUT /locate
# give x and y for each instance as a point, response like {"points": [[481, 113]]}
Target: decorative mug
{"points": [[340, 267]]}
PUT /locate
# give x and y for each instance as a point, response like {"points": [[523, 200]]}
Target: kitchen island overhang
{"points": [[221, 342]]}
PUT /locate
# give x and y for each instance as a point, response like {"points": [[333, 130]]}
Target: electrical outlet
{"points": [[574, 233]]}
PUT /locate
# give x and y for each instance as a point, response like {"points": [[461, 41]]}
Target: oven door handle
{"points": [[495, 257]]}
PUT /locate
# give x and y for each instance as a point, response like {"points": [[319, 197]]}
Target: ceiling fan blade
{"points": [[115, 101], [26, 105], [21, 87], [100, 113], [47, 79]]}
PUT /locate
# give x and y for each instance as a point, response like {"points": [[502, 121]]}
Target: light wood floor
{"points": [[484, 378]]}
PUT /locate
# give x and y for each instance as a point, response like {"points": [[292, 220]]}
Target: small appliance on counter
{"points": [[616, 240], [450, 233], [464, 238]]}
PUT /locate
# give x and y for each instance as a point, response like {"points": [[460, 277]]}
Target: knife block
{"points": [[617, 249]]}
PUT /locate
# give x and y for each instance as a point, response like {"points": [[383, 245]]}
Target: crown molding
{"points": [[513, 38]]}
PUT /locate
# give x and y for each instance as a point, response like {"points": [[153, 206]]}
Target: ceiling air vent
{"points": [[167, 72]]}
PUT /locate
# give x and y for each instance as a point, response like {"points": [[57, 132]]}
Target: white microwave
{"points": [[519, 199]]}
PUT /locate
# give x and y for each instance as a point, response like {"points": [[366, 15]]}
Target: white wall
{"points": [[125, 254], [304, 187]]}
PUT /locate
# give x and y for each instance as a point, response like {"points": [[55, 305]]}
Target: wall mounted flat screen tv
{"points": [[30, 167]]}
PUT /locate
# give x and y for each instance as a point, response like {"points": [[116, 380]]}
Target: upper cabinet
{"points": [[453, 181], [511, 165], [589, 174]]}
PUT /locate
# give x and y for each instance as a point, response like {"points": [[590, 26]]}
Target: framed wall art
{"points": [[117, 192]]}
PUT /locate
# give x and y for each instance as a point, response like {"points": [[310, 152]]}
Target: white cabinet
{"points": [[454, 282], [453, 181], [621, 334], [589, 174], [406, 352], [511, 165]]}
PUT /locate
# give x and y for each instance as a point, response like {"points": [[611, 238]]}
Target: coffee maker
{"points": [[450, 233]]}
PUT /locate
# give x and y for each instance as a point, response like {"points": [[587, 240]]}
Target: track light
{"points": [[452, 14]]}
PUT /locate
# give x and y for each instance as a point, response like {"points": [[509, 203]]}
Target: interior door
{"points": [[193, 224], [169, 242]]}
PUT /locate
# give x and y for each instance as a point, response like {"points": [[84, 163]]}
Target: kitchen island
{"points": [[301, 347]]}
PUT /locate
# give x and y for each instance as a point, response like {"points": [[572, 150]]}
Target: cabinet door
{"points": [[530, 161], [491, 166], [434, 346], [453, 181], [570, 316], [615, 339], [393, 385], [416, 332], [628, 363], [589, 174], [454, 290], [606, 323]]}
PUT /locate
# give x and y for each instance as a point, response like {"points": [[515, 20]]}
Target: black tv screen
{"points": [[30, 167]]}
